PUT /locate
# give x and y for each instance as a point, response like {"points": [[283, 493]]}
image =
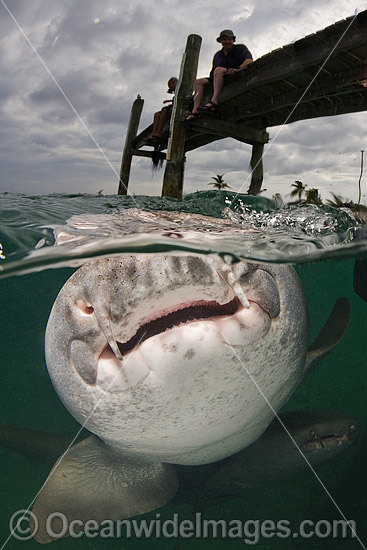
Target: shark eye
{"points": [[85, 308]]}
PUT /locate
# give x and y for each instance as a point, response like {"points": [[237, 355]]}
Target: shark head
{"points": [[177, 358]]}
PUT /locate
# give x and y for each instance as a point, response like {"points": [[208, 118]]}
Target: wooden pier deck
{"points": [[323, 74]]}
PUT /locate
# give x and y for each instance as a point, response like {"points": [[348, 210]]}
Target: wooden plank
{"points": [[138, 141], [356, 103], [199, 140], [336, 84], [148, 154], [132, 130], [173, 175], [223, 128]]}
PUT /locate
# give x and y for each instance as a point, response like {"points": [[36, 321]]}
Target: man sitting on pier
{"points": [[230, 59]]}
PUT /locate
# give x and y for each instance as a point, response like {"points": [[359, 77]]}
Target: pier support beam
{"points": [[127, 155], [256, 163], [174, 172]]}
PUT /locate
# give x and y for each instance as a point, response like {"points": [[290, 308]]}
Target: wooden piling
{"points": [[130, 136], [174, 172], [256, 163]]}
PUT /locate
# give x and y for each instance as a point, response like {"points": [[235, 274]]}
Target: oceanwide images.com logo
{"points": [[251, 530]]}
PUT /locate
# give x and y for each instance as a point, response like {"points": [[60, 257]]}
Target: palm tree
{"points": [[312, 196], [299, 189], [359, 211], [219, 183], [338, 202]]}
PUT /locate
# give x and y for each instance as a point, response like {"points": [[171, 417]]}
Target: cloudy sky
{"points": [[102, 54]]}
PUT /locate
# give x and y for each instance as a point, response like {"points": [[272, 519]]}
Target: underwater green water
{"points": [[29, 400]]}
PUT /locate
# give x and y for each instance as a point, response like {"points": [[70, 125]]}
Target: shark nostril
{"points": [[85, 308]]}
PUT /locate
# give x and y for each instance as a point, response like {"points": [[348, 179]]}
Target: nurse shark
{"points": [[169, 361], [291, 444]]}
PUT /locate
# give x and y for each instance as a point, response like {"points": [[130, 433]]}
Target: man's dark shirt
{"points": [[233, 60]]}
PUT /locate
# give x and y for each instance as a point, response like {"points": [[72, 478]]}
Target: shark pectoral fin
{"points": [[91, 482], [331, 334], [42, 447]]}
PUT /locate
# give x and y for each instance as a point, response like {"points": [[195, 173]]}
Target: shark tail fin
{"points": [[330, 335], [92, 482]]}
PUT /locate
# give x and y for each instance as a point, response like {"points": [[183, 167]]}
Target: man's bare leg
{"points": [[200, 84], [218, 83]]}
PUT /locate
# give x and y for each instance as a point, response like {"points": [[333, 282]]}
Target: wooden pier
{"points": [[323, 74]]}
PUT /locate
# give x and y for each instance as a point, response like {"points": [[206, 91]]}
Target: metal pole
{"points": [[360, 177]]}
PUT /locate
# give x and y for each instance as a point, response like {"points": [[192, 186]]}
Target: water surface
{"points": [[44, 239]]}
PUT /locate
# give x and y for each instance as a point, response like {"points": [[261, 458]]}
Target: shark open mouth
{"points": [[113, 376], [195, 312], [240, 321]]}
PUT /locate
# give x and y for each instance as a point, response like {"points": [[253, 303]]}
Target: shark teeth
{"points": [[226, 273]]}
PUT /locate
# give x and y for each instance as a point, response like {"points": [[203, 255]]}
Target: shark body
{"points": [[169, 360]]}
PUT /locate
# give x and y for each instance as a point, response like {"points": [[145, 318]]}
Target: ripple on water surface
{"points": [[67, 230]]}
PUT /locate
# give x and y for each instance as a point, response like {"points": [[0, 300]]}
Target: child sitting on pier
{"points": [[163, 115]]}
